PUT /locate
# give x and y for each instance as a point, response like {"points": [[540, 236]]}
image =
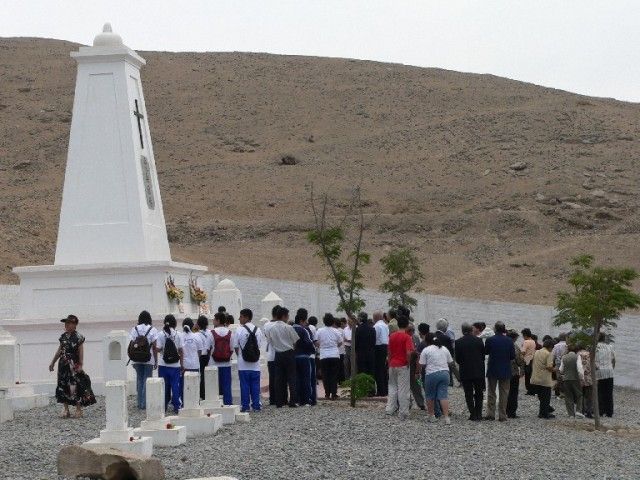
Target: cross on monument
{"points": [[139, 116]]}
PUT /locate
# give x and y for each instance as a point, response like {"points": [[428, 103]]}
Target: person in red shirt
{"points": [[400, 348]]}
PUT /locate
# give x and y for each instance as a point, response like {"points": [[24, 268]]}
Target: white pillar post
{"points": [[155, 398], [116, 406], [7, 359], [212, 392], [191, 395]]}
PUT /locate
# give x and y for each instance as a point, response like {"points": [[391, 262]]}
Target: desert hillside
{"points": [[495, 183]]}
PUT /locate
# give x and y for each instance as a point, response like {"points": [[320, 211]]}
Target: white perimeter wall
{"points": [[318, 299]]}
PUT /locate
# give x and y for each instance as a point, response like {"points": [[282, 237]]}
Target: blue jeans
{"points": [[143, 371], [249, 389], [303, 382], [172, 383], [314, 381], [224, 384], [429, 385]]}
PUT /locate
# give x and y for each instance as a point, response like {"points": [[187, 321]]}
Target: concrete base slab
{"points": [[141, 446], [228, 413], [198, 426], [169, 437], [6, 410], [27, 402], [243, 417]]}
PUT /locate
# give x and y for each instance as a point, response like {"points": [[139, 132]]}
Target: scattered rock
{"points": [[271, 204], [22, 165], [107, 463], [311, 139], [571, 205], [288, 160], [24, 89], [598, 193], [486, 172], [518, 166], [540, 197]]}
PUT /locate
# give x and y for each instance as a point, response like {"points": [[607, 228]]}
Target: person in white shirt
{"points": [[271, 357], [346, 342], [192, 346], [436, 361], [170, 368], [329, 342], [144, 369], [221, 353], [207, 343], [248, 371], [382, 345]]}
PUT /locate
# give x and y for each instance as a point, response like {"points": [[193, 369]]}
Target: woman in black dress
{"points": [[74, 386]]}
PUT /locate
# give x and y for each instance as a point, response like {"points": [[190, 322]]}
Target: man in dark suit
{"points": [[501, 351], [365, 337], [470, 357]]}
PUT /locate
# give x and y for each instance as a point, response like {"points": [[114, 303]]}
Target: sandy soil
{"points": [[432, 151]]}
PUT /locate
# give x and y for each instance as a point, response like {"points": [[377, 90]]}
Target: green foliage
{"points": [[599, 295], [364, 385], [345, 268], [598, 298], [401, 268]]}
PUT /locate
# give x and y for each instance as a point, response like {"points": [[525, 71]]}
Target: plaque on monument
{"points": [[146, 179]]}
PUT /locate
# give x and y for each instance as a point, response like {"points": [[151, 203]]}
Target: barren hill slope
{"points": [[431, 149]]}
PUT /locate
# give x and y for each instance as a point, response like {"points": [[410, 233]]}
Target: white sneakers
{"points": [[432, 419], [447, 421], [579, 415]]}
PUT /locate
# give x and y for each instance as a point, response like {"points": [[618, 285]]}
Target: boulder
{"points": [[99, 462], [518, 166]]}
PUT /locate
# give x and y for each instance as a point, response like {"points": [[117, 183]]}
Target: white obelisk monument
{"points": [[112, 256]]}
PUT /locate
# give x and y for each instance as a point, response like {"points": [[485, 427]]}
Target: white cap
{"points": [[107, 38]]}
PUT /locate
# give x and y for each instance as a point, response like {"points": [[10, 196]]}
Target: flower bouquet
{"points": [[173, 292], [198, 295]]}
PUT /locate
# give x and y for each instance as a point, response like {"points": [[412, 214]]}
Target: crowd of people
{"points": [[410, 366]]}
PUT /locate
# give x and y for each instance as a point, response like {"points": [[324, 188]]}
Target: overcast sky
{"points": [[585, 46]]}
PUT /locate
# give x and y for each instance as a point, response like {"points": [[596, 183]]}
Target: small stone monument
{"points": [[117, 433], [267, 304], [227, 294], [20, 396], [212, 404], [6, 409], [193, 417], [114, 355], [157, 426]]}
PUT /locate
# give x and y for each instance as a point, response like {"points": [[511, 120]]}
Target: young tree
{"points": [[401, 268], [599, 296], [345, 268]]}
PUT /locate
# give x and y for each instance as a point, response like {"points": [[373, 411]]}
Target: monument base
{"points": [[22, 397], [243, 417], [167, 437], [103, 290], [228, 412], [125, 441], [198, 426]]}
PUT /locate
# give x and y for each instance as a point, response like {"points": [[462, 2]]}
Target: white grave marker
{"points": [[117, 433], [193, 417], [157, 426], [212, 404]]}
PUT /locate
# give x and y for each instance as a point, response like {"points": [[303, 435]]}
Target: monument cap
{"points": [[107, 38]]}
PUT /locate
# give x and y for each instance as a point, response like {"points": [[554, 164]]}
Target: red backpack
{"points": [[221, 347]]}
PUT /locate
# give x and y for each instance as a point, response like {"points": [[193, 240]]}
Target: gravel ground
{"points": [[332, 441]]}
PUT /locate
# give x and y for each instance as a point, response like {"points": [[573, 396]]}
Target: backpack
{"points": [[170, 352], [251, 350], [139, 349], [221, 347]]}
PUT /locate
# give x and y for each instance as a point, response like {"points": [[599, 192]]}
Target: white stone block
{"points": [[141, 446], [114, 355], [155, 398], [116, 406], [6, 409], [243, 417], [227, 412], [8, 356], [198, 426], [267, 304], [211, 388], [167, 437], [191, 395]]}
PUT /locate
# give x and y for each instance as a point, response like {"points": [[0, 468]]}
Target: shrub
{"points": [[363, 385]]}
